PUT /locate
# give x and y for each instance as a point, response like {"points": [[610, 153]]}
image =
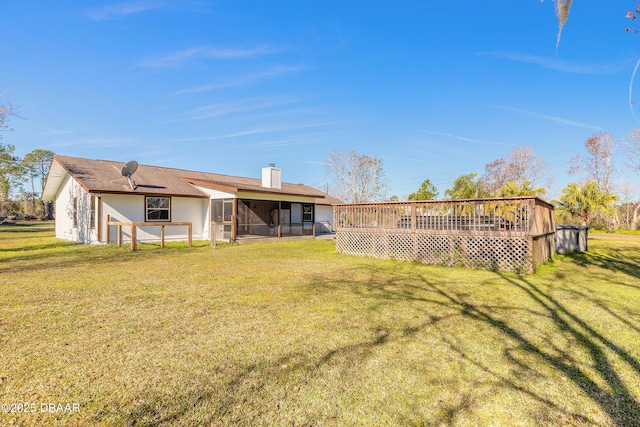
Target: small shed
{"points": [[571, 238]]}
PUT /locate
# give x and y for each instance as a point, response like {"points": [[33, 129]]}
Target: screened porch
{"points": [[236, 219]]}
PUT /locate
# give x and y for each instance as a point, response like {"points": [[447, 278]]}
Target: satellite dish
{"points": [[129, 169]]}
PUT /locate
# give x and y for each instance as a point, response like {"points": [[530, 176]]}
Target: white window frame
{"points": [[92, 212], [148, 209], [74, 215]]}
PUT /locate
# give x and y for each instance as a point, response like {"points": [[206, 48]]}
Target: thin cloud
{"points": [[298, 139], [242, 80], [312, 162], [97, 142], [464, 139], [49, 131], [550, 118], [122, 10], [560, 65], [178, 59], [258, 131], [289, 142], [406, 159], [223, 109], [631, 101]]}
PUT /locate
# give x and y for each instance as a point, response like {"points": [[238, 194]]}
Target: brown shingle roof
{"points": [[103, 176], [329, 200]]}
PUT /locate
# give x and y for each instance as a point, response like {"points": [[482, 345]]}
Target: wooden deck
{"points": [[504, 233]]}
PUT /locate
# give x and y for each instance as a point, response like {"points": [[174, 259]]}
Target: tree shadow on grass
{"points": [[437, 302], [622, 259], [27, 249], [628, 317], [48, 258], [616, 400], [609, 391], [247, 381]]}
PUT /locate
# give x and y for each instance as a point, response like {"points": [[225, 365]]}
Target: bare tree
{"points": [[496, 175], [6, 112], [8, 162], [632, 151], [629, 209], [527, 166], [598, 166], [522, 167], [358, 178]]}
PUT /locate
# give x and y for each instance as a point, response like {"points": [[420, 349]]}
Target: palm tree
{"points": [[585, 201], [512, 189], [466, 187]]}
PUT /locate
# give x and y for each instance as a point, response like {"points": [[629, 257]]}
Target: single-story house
{"points": [[89, 194]]}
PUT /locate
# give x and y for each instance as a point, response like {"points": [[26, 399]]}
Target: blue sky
{"points": [[435, 89]]}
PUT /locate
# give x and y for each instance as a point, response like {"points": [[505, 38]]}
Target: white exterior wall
{"points": [[216, 194], [122, 207], [64, 208], [193, 210], [324, 214], [131, 208]]}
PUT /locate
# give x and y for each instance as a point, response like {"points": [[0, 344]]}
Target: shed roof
{"points": [[103, 176]]}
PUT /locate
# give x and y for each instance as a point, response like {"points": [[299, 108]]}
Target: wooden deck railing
{"points": [[496, 217], [134, 233]]}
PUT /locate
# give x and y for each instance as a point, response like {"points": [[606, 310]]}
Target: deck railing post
{"points": [[107, 233], [414, 216], [134, 236]]}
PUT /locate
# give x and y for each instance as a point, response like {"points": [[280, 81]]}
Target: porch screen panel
{"points": [[222, 214], [222, 210], [243, 217]]}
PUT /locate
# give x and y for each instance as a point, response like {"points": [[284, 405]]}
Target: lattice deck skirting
{"points": [[496, 233], [518, 253]]}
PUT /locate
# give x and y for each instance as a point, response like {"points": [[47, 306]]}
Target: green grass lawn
{"points": [[294, 334]]}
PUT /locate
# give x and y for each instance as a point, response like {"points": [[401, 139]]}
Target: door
{"points": [[285, 221]]}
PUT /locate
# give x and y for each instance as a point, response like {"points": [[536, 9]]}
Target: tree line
{"points": [[22, 182], [21, 179], [595, 198]]}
